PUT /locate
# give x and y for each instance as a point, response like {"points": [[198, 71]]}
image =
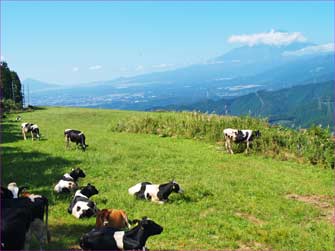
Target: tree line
{"points": [[11, 89]]}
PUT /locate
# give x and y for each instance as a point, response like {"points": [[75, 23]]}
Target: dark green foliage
{"points": [[314, 145], [18, 96], [11, 89]]}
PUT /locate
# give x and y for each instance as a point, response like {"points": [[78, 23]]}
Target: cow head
{"points": [[176, 188], [77, 173], [102, 218], [89, 190], [257, 133], [151, 227]]}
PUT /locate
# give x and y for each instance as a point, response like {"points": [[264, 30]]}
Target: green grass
{"points": [[230, 201]]}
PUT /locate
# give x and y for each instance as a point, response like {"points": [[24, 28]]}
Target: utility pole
{"points": [[28, 95], [23, 96], [13, 92]]}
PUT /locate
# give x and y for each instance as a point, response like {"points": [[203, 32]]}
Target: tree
{"points": [[6, 82], [17, 87]]}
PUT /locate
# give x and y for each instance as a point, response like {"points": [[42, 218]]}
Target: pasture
{"points": [[230, 201]]}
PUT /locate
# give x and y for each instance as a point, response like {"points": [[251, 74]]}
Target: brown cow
{"points": [[112, 218]]}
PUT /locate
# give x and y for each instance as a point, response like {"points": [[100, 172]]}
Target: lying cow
{"points": [[81, 206], [75, 136], [114, 239], [69, 181], [32, 128], [112, 218], [33, 208], [239, 136], [153, 192]]}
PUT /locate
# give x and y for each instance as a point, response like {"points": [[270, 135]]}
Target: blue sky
{"points": [[75, 42]]}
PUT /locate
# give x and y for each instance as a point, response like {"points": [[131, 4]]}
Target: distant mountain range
{"points": [[239, 72], [298, 106]]}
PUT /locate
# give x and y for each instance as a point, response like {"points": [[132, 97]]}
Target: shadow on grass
{"points": [[39, 171], [11, 132], [66, 236]]}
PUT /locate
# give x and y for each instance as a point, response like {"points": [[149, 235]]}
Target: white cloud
{"points": [[95, 67], [2, 58], [162, 66], [314, 49], [75, 69], [139, 68], [269, 38]]}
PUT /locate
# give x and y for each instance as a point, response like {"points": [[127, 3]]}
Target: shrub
{"points": [[314, 145]]}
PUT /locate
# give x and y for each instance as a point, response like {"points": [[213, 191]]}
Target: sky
{"points": [[69, 42]]}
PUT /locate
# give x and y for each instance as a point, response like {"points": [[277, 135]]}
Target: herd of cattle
{"points": [[24, 215]]}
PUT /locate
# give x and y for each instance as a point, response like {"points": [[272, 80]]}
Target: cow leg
{"points": [[24, 134], [28, 240], [67, 142], [230, 150], [32, 136], [246, 150]]}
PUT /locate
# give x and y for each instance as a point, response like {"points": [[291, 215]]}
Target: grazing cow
{"points": [[18, 118], [32, 128], [108, 238], [239, 136], [81, 206], [69, 181], [30, 210], [75, 136], [112, 218], [153, 192]]}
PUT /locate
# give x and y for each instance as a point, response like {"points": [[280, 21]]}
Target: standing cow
{"points": [[32, 128], [239, 136], [75, 136]]}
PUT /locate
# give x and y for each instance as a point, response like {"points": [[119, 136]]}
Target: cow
{"points": [[239, 136], [108, 238], [154, 192], [28, 209], [81, 206], [32, 128], [18, 118], [68, 182], [75, 136], [112, 218]]}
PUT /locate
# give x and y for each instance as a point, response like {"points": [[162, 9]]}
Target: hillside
{"points": [[230, 201], [299, 106]]}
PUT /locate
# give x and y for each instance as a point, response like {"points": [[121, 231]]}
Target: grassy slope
{"points": [[230, 201]]}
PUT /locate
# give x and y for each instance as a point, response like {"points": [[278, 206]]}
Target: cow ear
{"points": [[89, 184]]}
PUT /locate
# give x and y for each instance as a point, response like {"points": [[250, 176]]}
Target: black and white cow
{"points": [[239, 136], [32, 128], [108, 238], [154, 192], [75, 136], [81, 206], [69, 181], [30, 209]]}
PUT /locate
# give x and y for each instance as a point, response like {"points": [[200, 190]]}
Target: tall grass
{"points": [[314, 145]]}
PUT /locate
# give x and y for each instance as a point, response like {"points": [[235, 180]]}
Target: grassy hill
{"points": [[298, 106], [230, 202]]}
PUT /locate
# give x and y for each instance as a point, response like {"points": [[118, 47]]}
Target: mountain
{"points": [[298, 106], [238, 72], [36, 85]]}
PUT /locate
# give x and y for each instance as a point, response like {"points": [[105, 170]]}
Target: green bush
{"points": [[314, 145]]}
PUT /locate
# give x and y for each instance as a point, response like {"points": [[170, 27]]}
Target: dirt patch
{"points": [[250, 218], [322, 202], [252, 246]]}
